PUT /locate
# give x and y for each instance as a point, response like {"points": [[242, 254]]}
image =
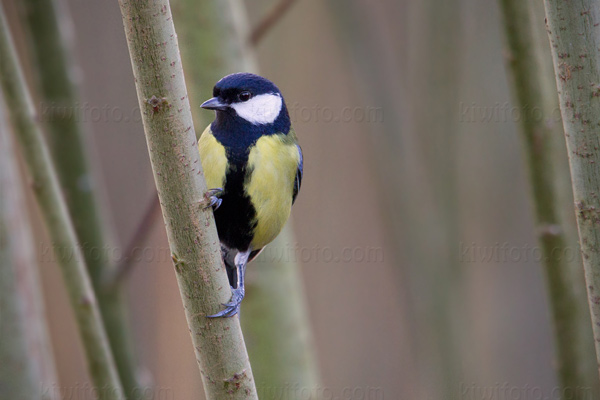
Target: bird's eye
{"points": [[245, 96]]}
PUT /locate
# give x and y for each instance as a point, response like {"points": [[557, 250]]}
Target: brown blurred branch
{"points": [[48, 24], [269, 20], [149, 218], [54, 210], [27, 369], [162, 95], [416, 148]]}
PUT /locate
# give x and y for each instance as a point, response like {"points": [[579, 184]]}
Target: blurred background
{"points": [[414, 235]]}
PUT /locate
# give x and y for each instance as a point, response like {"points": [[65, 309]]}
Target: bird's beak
{"points": [[214, 104]]}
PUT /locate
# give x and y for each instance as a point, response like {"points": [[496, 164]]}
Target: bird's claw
{"points": [[213, 198], [233, 306]]}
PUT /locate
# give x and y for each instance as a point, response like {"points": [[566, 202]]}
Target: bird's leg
{"points": [[213, 197], [237, 294]]}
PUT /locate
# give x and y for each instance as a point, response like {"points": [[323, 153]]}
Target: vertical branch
{"points": [[575, 44], [568, 307], [27, 368], [54, 211], [564, 194], [162, 95], [434, 89], [285, 356], [55, 79], [416, 148], [17, 376], [50, 47], [206, 50]]}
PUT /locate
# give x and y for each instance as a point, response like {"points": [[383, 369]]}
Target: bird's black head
{"points": [[249, 99], [241, 87]]}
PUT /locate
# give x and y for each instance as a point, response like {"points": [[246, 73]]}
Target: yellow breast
{"points": [[272, 165], [213, 158], [273, 162]]}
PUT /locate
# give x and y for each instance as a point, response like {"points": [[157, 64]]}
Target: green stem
{"points": [[564, 194], [575, 49], [27, 369], [50, 49], [55, 77], [285, 356], [211, 49], [532, 92], [54, 211], [434, 90], [194, 243]]}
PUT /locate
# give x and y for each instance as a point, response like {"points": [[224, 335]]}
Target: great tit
{"points": [[253, 164]]}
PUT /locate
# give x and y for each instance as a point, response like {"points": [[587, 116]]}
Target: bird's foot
{"points": [[213, 198], [233, 307]]}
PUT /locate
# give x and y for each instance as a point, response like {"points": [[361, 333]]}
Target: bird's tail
{"points": [[229, 260]]}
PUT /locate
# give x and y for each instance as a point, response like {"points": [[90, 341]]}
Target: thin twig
{"points": [[123, 268], [60, 228], [269, 20]]}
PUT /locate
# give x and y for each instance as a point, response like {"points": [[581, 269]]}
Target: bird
{"points": [[253, 167]]}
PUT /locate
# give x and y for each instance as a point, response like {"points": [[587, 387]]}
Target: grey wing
{"points": [[298, 180]]}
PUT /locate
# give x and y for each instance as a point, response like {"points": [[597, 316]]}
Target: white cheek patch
{"points": [[259, 110]]}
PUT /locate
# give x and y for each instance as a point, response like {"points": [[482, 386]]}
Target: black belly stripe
{"points": [[236, 217]]}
